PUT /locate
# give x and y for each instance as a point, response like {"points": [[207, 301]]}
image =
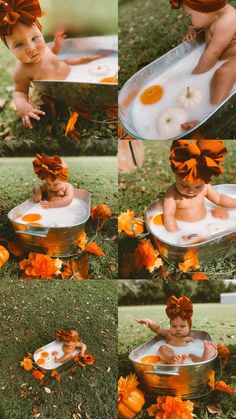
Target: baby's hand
{"points": [[56, 360], [28, 111], [190, 35], [147, 322], [46, 204], [58, 37]]}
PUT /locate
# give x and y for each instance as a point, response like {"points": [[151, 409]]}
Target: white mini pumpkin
{"points": [[169, 122], [190, 98]]}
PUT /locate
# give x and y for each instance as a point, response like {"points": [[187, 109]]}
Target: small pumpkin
{"points": [[151, 95], [190, 97], [169, 122], [4, 256], [150, 359], [130, 398]]}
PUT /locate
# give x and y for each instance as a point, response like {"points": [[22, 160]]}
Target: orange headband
{"points": [[45, 166], [203, 6], [194, 161], [67, 335], [182, 307], [14, 11]]}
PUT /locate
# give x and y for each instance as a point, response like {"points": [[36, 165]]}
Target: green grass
{"points": [[96, 174], [216, 319], [149, 182], [30, 315]]}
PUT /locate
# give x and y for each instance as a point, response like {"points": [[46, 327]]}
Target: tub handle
{"points": [[134, 232], [40, 233], [174, 372]]}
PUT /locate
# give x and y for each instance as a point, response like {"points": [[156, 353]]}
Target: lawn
{"points": [[216, 319], [96, 174], [149, 182], [30, 315]]}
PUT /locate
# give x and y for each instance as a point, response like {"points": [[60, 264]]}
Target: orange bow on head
{"points": [[175, 4], [67, 335], [203, 6], [13, 11], [182, 307], [194, 161], [54, 167]]}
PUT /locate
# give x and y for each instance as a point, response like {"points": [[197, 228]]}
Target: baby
{"points": [[54, 172], [20, 30], [194, 163], [219, 21], [71, 343], [179, 311]]}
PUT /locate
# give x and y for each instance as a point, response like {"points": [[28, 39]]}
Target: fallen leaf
{"points": [[214, 408], [47, 390]]}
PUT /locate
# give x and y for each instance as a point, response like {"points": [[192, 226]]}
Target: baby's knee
{"points": [[223, 72]]}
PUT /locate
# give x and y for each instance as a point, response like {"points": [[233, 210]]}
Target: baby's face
{"points": [[187, 189], [179, 327], [54, 185], [199, 19], [27, 43]]}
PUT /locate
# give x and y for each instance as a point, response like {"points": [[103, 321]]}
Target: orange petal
{"points": [[71, 123], [199, 276], [95, 249], [222, 386]]}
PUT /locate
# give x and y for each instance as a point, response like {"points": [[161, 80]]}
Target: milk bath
{"points": [[49, 363], [174, 81], [205, 228], [195, 347], [94, 71], [72, 214]]}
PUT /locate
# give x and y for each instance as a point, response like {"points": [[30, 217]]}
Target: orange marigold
{"points": [[56, 376], [190, 261], [168, 407], [145, 256], [95, 249], [100, 211], [199, 276], [27, 364], [124, 221], [223, 351], [38, 374], [38, 266], [222, 386]]}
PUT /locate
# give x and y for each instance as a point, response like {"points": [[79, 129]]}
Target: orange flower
{"points": [[199, 276], [94, 248], [56, 375], [130, 398], [38, 266], [76, 269], [101, 212], [124, 220], [27, 364], [222, 386], [71, 123], [38, 374], [82, 240], [16, 248], [145, 256], [168, 407], [88, 359], [190, 261], [223, 351], [162, 248]]}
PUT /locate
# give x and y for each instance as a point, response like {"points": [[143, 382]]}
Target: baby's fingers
{"points": [[38, 112], [26, 122]]}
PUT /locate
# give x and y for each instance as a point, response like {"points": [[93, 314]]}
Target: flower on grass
{"points": [[124, 220], [199, 276], [168, 407], [57, 376], [39, 266], [95, 249], [38, 374], [145, 256], [27, 364], [190, 261]]}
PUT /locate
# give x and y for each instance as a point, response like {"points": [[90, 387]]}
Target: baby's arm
{"points": [[57, 42], [82, 347], [153, 326], [61, 202], [224, 31], [21, 98], [220, 199], [82, 60], [169, 210]]}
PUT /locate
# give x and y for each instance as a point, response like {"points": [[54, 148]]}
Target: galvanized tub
{"points": [[220, 245], [50, 347], [185, 380], [221, 123], [54, 241], [83, 96]]}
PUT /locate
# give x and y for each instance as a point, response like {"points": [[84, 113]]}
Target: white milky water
{"points": [[195, 347], [75, 213], [49, 363], [206, 228], [174, 81], [94, 71]]}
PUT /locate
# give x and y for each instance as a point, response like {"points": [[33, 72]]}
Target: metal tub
{"points": [[221, 123], [220, 245], [54, 241], [50, 347], [185, 380], [83, 96]]}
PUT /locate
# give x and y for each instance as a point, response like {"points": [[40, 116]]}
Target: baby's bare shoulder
{"points": [[226, 19], [171, 192]]}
